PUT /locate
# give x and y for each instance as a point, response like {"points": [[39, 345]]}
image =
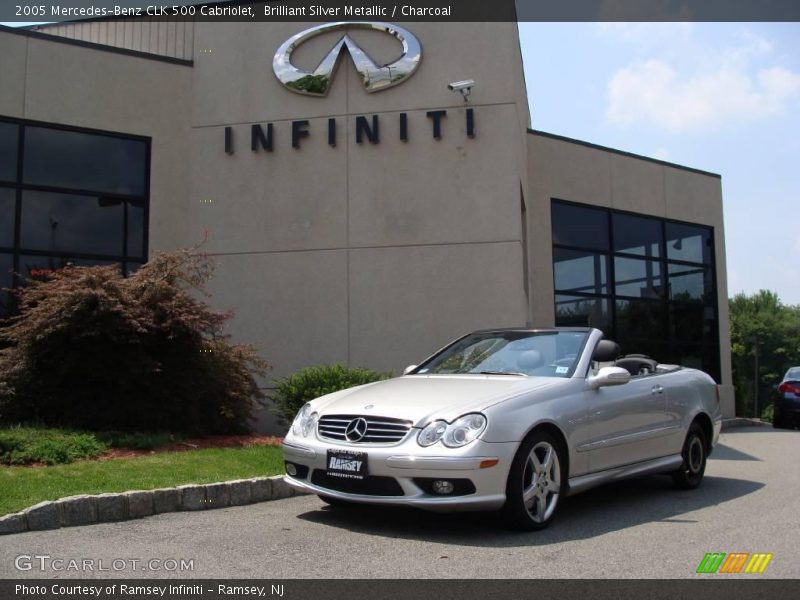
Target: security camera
{"points": [[464, 87], [458, 86]]}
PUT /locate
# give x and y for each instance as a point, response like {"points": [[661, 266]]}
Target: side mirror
{"points": [[409, 368], [609, 376]]}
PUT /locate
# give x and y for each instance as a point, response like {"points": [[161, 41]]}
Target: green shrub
{"points": [[134, 440], [95, 351], [292, 392], [768, 413], [25, 445]]}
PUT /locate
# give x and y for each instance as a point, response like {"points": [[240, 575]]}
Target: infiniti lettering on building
{"points": [[374, 78]]}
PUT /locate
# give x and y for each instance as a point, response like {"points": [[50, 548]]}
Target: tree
{"points": [[92, 349], [761, 321]]}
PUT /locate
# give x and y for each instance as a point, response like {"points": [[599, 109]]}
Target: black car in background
{"points": [[787, 404]]}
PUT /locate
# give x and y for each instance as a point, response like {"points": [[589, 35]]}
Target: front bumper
{"points": [[407, 464]]}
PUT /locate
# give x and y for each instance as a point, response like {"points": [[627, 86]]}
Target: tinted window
{"points": [[637, 235], [71, 223], [577, 311], [132, 267], [7, 200], [653, 291], [136, 228], [692, 322], [688, 355], [6, 268], [637, 278], [580, 226], [8, 151], [690, 243], [39, 267], [689, 283], [579, 271], [84, 161], [640, 320]]}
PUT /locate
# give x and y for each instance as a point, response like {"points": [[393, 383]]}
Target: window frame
{"points": [[666, 303], [19, 187]]}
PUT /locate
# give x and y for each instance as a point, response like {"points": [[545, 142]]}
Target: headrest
{"points": [[530, 359], [606, 351]]}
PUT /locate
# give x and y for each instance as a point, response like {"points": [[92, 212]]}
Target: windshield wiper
{"points": [[501, 373]]}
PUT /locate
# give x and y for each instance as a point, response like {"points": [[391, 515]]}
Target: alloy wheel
{"points": [[541, 482]]}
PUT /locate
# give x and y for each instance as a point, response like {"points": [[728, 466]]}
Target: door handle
{"points": [[657, 389]]}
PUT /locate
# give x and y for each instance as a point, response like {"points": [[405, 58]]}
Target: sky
{"points": [[721, 97]]}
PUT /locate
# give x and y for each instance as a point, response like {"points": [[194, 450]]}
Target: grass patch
{"points": [[24, 445], [21, 487]]}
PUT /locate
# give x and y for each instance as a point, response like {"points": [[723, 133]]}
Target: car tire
{"points": [[536, 483], [335, 502], [694, 453], [778, 423]]}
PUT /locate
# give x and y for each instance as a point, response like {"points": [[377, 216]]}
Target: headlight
{"points": [[304, 422], [432, 433], [459, 433], [309, 424]]}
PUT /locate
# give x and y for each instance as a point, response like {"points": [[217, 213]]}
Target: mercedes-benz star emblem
{"points": [[356, 430]]}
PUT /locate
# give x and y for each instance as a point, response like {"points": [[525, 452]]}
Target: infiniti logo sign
{"points": [[356, 430], [374, 77]]}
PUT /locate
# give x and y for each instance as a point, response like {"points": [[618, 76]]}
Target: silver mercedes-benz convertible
{"points": [[509, 420]]}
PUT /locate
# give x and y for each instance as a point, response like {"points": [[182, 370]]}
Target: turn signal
{"points": [[485, 464]]}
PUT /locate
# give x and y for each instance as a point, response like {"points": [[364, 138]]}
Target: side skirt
{"points": [[657, 465]]}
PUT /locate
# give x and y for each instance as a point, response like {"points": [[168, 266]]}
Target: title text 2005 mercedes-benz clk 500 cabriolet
{"points": [[509, 420]]}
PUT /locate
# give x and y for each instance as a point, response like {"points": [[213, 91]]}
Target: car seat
{"points": [[637, 364]]}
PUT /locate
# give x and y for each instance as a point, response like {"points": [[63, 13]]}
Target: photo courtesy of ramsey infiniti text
{"points": [[509, 420]]}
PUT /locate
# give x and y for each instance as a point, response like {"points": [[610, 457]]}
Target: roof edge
{"points": [[622, 153], [94, 46]]}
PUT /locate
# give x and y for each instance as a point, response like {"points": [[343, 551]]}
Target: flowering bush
{"points": [[93, 350]]}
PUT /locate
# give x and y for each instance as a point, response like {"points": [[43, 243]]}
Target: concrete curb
{"points": [[736, 422], [136, 504]]}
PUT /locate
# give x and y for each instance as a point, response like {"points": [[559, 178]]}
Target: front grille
{"points": [[372, 485], [380, 430]]}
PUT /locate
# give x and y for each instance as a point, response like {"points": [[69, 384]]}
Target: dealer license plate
{"points": [[347, 464]]}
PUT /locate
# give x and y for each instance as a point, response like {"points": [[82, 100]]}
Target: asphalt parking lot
{"points": [[640, 529]]}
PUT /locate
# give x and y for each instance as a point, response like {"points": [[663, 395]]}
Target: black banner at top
{"points": [[403, 10]]}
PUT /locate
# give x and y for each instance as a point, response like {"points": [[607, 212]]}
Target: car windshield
{"points": [[534, 353], [792, 374]]}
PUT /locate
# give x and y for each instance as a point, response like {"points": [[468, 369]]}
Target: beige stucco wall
{"points": [[570, 170], [165, 38], [371, 255]]}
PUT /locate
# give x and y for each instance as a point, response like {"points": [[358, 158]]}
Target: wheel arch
{"points": [[704, 420], [555, 431]]}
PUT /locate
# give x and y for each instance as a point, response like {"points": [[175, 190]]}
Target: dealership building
{"points": [[360, 210]]}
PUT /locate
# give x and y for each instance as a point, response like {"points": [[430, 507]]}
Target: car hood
{"points": [[421, 398]]}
